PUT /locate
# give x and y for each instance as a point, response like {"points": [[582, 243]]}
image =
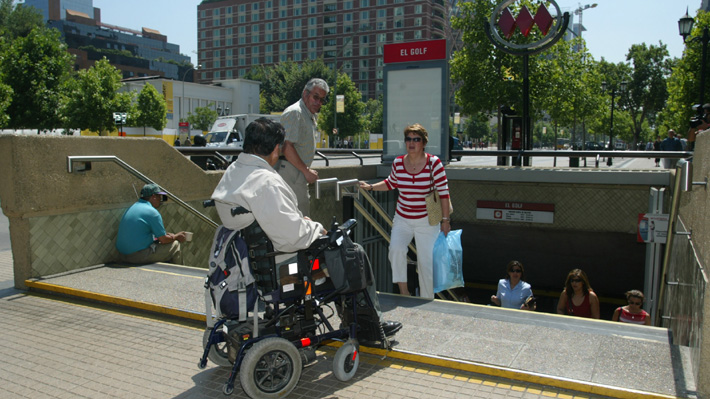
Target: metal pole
{"points": [[335, 94], [182, 100], [611, 129], [527, 134]]}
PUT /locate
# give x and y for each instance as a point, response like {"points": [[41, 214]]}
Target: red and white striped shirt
{"points": [[414, 187]]}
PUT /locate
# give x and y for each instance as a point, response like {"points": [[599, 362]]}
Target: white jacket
{"points": [[252, 183]]}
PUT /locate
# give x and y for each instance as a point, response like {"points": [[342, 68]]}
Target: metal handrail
{"points": [[72, 159], [339, 153], [381, 211]]}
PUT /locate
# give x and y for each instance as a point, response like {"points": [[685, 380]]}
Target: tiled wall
{"points": [[72, 241]]}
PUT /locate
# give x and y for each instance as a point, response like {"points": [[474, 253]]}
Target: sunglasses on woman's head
{"points": [[576, 280], [516, 271], [414, 139]]}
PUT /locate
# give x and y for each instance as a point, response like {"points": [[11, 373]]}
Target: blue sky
{"points": [[612, 26]]}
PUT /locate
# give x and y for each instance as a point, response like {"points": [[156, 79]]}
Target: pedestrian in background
{"points": [[657, 147], [301, 124], [578, 298], [513, 292], [671, 143], [632, 313]]}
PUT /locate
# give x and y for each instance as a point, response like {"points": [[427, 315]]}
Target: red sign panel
{"points": [[184, 124], [428, 50]]}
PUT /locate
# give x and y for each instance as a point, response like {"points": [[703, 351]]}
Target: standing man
{"points": [[299, 148], [141, 235], [671, 143]]}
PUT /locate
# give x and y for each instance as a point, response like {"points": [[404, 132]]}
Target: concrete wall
{"points": [[693, 212], [62, 221]]}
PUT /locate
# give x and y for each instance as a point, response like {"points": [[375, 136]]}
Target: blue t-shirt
{"points": [[513, 298], [140, 225]]}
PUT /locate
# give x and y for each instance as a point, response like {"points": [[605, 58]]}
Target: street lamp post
{"points": [[685, 26], [613, 92], [182, 100]]}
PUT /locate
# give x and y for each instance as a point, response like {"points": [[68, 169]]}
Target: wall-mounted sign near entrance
{"points": [[652, 228], [509, 211]]}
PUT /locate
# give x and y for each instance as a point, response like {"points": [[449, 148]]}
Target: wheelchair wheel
{"points": [[346, 361], [270, 369], [218, 352]]}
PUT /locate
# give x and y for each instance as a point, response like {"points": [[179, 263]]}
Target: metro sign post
{"points": [[552, 28], [416, 79]]}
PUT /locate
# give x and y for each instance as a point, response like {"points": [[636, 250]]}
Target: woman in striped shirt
{"points": [[632, 313], [412, 175]]}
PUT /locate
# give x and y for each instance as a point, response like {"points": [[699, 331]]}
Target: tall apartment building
{"points": [[136, 53], [235, 35]]}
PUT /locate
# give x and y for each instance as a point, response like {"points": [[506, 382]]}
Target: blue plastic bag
{"points": [[448, 261]]}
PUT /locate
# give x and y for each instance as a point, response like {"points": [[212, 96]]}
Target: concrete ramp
{"points": [[596, 357]]}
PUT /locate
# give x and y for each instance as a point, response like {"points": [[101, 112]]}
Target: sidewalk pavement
{"points": [[64, 348]]}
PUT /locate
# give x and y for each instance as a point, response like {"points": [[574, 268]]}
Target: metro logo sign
{"points": [[427, 50]]}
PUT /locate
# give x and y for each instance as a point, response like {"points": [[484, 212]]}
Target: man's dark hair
{"points": [[262, 136]]}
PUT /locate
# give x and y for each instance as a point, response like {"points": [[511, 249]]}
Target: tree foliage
{"points": [[36, 68], [349, 122], [203, 118], [477, 128], [5, 98], [283, 83], [684, 83], [647, 88], [18, 21], [374, 115], [487, 75], [94, 96], [151, 109]]}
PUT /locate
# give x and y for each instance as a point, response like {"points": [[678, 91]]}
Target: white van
{"points": [[228, 131]]}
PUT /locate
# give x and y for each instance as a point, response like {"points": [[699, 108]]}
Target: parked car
{"points": [[592, 146]]}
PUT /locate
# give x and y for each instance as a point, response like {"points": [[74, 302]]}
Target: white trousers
{"points": [[403, 230]]}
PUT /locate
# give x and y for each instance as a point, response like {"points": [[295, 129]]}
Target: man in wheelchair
{"points": [[252, 183]]}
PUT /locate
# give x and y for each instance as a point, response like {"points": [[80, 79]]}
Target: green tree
{"points": [[487, 75], [282, 84], [684, 82], [18, 21], [5, 99], [94, 96], [203, 118], [491, 78], [647, 88], [151, 109], [349, 122], [477, 128], [572, 87], [36, 67], [374, 119]]}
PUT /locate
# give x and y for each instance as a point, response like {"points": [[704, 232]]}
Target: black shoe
{"points": [[390, 328]]}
